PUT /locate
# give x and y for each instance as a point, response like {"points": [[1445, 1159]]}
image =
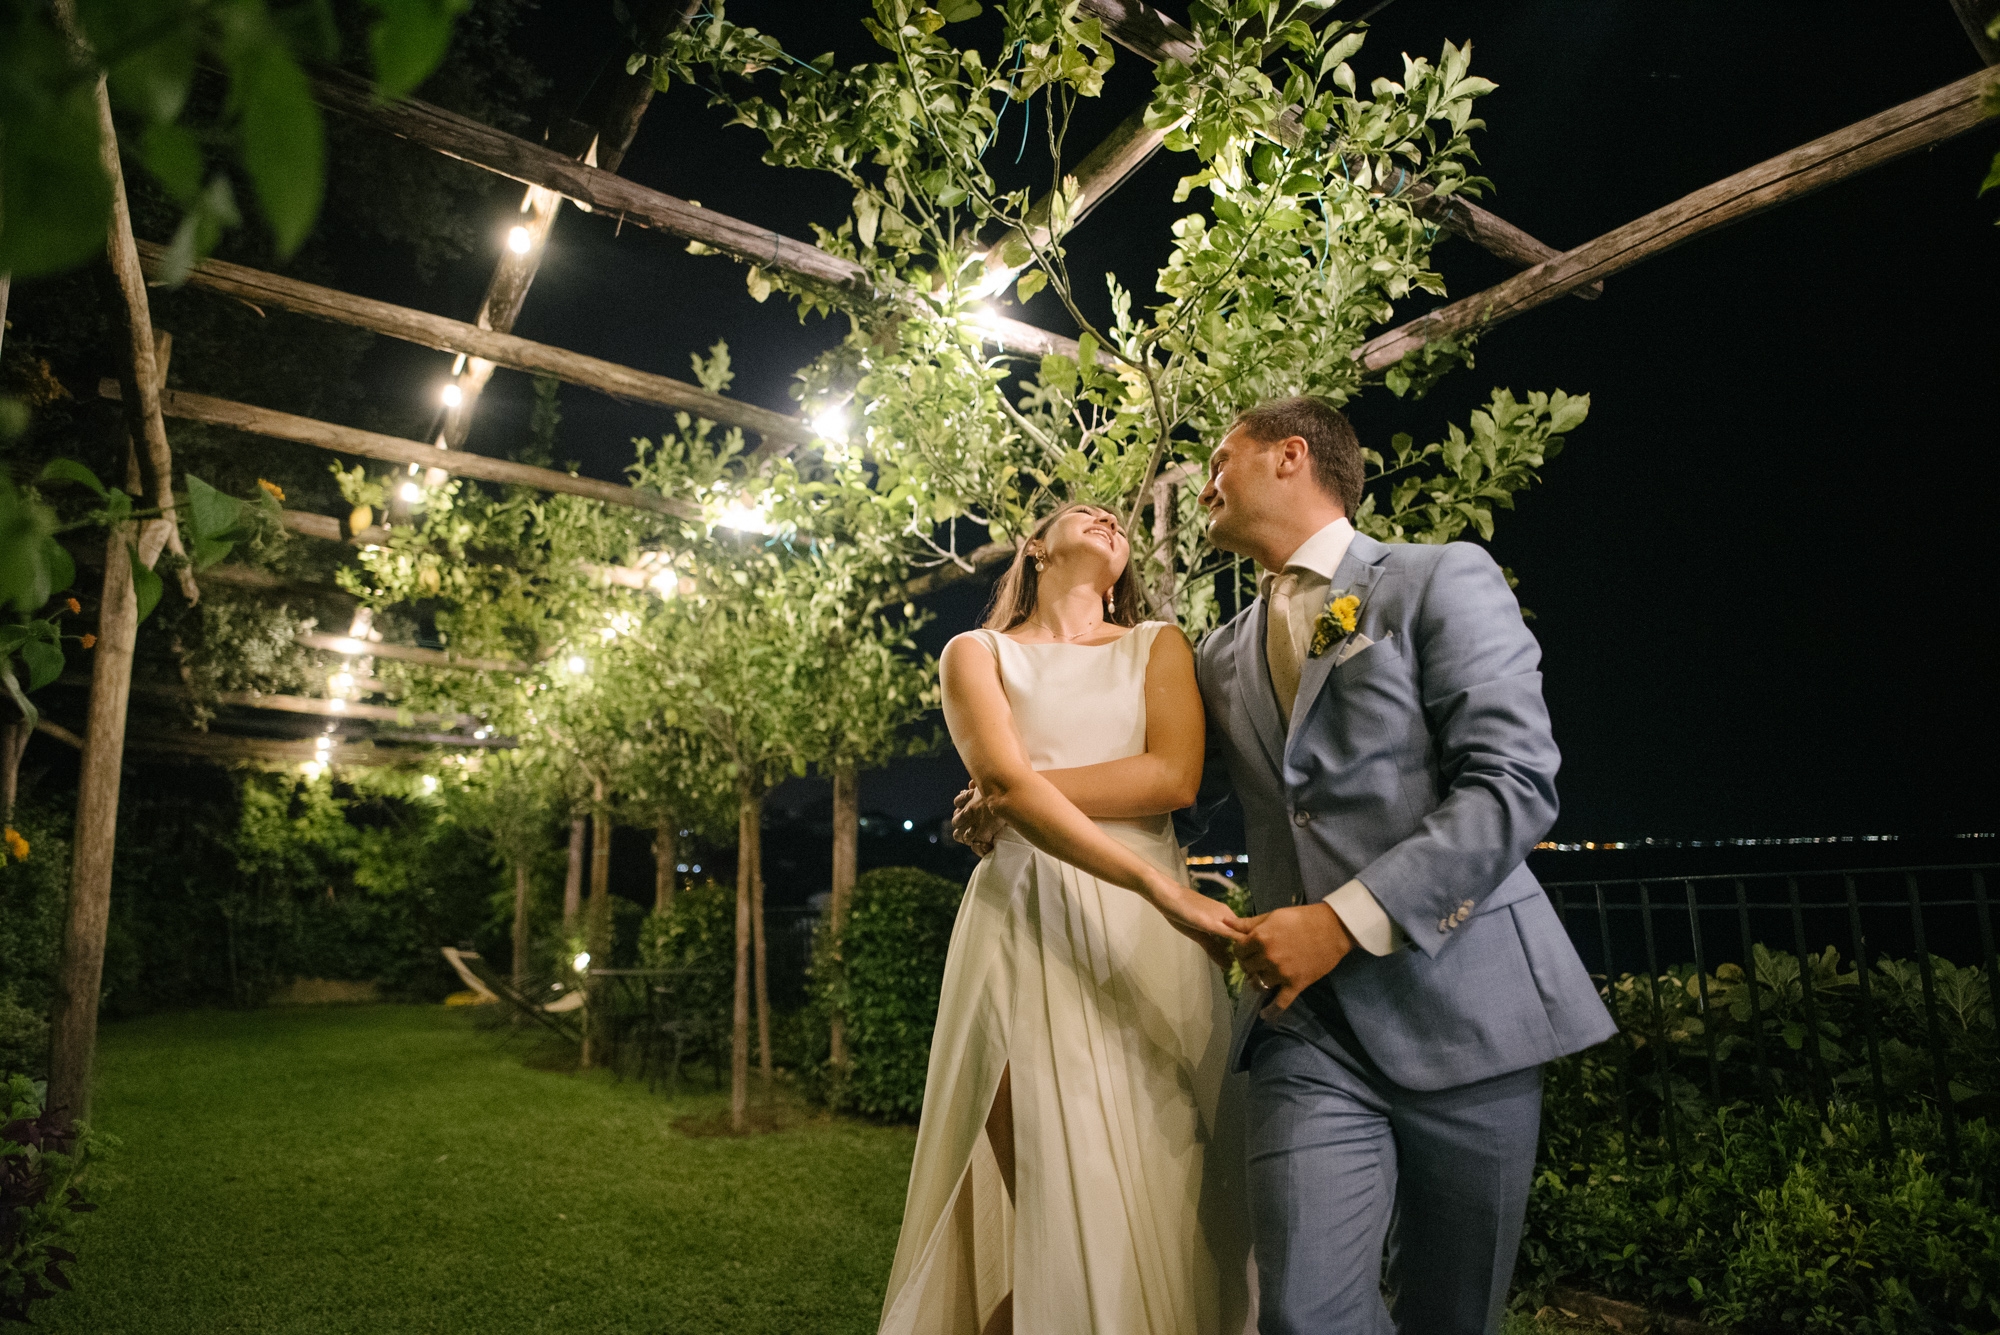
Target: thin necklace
{"points": [[1059, 635]]}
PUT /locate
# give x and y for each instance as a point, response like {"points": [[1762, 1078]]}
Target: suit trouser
{"points": [[1345, 1166]]}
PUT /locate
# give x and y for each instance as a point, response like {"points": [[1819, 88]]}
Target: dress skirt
{"points": [[1129, 1218]]}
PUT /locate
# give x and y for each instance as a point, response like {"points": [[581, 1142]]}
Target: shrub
{"points": [[696, 938], [33, 892], [44, 1166], [884, 981], [1771, 1212]]}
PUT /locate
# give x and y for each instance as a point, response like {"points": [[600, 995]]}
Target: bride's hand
{"points": [[1204, 921], [972, 822]]}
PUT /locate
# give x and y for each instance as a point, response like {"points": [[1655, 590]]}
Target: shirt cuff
{"points": [[1365, 919]]}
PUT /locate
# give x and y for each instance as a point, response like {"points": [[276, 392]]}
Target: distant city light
{"points": [[909, 825], [452, 396], [518, 240], [410, 492]]}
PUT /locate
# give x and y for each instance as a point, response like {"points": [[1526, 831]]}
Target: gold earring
{"points": [[1041, 562]]}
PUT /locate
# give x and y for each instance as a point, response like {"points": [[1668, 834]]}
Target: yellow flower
{"points": [[90, 641], [1342, 611], [277, 492], [17, 845]]}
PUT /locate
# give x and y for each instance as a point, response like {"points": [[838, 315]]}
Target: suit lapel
{"points": [[1358, 571], [1260, 701]]}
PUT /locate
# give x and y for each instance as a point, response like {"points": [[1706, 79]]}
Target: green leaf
{"points": [[958, 11], [409, 39], [146, 584], [69, 470], [44, 662], [1030, 283], [284, 143], [173, 154], [25, 528], [153, 79], [1992, 176], [216, 520], [55, 199]]}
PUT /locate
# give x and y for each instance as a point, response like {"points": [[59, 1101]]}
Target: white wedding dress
{"points": [[1128, 1159]]}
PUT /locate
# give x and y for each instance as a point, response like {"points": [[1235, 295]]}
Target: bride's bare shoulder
{"points": [[969, 648]]}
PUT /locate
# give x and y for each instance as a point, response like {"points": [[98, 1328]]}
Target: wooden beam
{"points": [[493, 150], [447, 335], [1951, 110], [1975, 15], [303, 704], [979, 558], [599, 134], [224, 750], [406, 653], [1154, 37], [395, 449]]}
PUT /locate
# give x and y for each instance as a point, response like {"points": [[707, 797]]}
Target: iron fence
{"points": [[1840, 988]]}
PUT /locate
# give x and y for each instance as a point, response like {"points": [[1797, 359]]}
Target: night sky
{"points": [[1760, 573]]}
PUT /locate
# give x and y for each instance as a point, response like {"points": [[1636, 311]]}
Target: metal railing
{"points": [[1743, 994]]}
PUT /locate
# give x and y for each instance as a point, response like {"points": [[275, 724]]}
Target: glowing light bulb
{"points": [[337, 705], [582, 960], [832, 425], [519, 241], [430, 783], [452, 396], [410, 492], [578, 665]]}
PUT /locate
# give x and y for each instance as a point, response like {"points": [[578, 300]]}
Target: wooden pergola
{"points": [[579, 165]]}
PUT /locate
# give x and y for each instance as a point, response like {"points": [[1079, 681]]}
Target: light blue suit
{"points": [[1398, 1101]]}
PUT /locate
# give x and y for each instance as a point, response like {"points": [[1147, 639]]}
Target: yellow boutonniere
{"points": [[1342, 615]]}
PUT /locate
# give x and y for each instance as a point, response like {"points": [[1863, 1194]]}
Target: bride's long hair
{"points": [[1018, 592]]}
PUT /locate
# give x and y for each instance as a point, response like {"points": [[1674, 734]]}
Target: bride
{"points": [[1076, 1169]]}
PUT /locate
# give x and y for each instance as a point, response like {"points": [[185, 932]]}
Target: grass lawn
{"points": [[393, 1169]]}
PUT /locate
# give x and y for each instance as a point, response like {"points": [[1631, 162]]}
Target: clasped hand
{"points": [[1283, 952]]}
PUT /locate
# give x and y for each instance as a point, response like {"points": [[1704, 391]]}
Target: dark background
{"points": [[1760, 573]]}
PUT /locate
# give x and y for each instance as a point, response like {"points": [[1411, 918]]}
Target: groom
{"points": [[1378, 713]]}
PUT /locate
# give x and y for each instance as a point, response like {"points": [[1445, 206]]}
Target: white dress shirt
{"points": [[1313, 567]]}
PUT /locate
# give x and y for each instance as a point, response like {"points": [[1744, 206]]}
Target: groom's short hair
{"points": [[1331, 444]]}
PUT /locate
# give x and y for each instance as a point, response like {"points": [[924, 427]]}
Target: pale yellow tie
{"points": [[1280, 651]]}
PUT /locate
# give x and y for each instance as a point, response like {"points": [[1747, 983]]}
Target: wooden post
{"points": [[80, 972], [573, 880], [749, 818], [666, 854], [521, 945], [846, 845]]}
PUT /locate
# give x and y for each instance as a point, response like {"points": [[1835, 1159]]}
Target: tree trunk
{"points": [[80, 975], [521, 884], [749, 818], [573, 878], [80, 972], [666, 853], [846, 840], [597, 925], [14, 736], [763, 977]]}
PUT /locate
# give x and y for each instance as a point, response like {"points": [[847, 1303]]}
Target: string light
{"points": [[411, 493], [519, 241], [452, 395], [578, 665]]}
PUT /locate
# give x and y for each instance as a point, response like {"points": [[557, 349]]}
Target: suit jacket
{"points": [[1423, 765]]}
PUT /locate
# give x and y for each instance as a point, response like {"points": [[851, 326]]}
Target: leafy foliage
{"points": [[1775, 1209], [53, 190], [1312, 235], [696, 939], [885, 983], [45, 1161]]}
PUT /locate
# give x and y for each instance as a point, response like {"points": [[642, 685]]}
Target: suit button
{"points": [[1444, 924], [1302, 818]]}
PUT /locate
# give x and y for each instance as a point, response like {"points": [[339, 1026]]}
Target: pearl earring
{"points": [[1041, 562]]}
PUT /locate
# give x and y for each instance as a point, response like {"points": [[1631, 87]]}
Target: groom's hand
{"points": [[1288, 950], [972, 823]]}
